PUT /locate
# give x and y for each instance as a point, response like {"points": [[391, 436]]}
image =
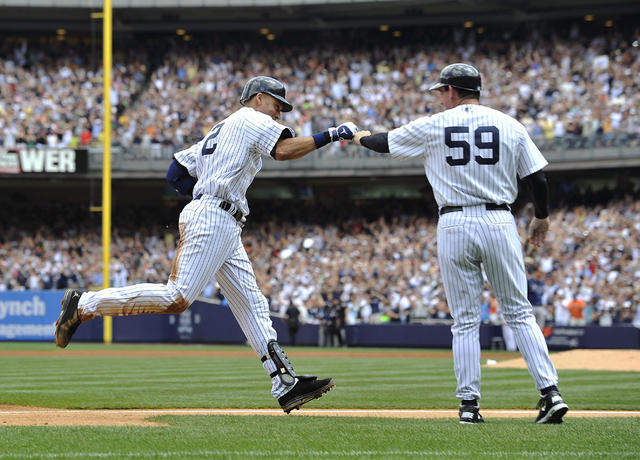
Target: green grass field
{"points": [[380, 382]]}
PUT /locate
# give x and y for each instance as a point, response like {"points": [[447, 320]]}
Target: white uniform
{"points": [[225, 162], [473, 155]]}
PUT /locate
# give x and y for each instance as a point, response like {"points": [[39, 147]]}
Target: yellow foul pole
{"points": [[106, 159]]}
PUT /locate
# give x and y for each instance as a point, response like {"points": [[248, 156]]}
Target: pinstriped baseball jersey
{"points": [[472, 154], [227, 159], [225, 163]]}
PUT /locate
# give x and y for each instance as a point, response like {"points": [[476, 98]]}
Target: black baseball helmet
{"points": [[266, 85], [461, 76]]}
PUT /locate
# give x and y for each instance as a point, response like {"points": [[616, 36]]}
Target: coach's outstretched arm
{"points": [[293, 148], [378, 142]]}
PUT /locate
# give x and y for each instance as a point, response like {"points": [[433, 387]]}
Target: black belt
{"points": [[487, 206], [225, 205]]}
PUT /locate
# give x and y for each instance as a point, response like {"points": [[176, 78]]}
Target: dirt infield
{"points": [[590, 360], [31, 416]]}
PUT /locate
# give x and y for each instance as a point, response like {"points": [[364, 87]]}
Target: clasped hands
{"points": [[347, 131]]}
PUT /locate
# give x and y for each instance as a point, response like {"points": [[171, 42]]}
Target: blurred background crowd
{"points": [[351, 266], [570, 87]]}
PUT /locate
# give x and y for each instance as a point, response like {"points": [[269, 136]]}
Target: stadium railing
{"points": [[351, 160]]}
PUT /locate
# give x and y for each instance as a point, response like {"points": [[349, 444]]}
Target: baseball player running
{"points": [[473, 155], [217, 171]]}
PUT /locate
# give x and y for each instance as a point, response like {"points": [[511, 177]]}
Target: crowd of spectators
{"points": [[351, 270], [52, 95], [569, 87]]}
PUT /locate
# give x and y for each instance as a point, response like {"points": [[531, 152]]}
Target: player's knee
{"points": [[179, 301], [515, 320], [179, 305], [181, 297], [462, 328], [467, 320]]}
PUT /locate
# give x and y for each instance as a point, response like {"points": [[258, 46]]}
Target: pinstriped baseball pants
{"points": [[468, 241], [210, 244]]}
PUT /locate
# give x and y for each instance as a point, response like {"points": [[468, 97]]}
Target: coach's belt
{"points": [[487, 206], [225, 205]]}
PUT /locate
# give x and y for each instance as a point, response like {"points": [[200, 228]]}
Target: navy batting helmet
{"points": [[461, 76], [266, 85]]}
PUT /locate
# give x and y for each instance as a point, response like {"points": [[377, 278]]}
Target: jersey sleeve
{"points": [[408, 140], [187, 157], [263, 132], [530, 159]]}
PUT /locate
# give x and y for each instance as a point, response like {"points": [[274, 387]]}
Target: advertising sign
{"points": [[29, 315], [34, 160]]}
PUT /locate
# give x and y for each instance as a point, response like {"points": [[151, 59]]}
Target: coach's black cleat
{"points": [[552, 408], [307, 388], [69, 319], [470, 414]]}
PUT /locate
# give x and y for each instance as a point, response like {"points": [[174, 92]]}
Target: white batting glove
{"points": [[343, 132]]}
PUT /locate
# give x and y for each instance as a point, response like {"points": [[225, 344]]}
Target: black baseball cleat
{"points": [[470, 415], [307, 388], [552, 408], [69, 319]]}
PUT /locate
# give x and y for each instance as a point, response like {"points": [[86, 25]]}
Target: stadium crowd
{"points": [[357, 269], [570, 88], [51, 95]]}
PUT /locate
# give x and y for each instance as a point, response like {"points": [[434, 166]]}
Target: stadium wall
{"points": [[30, 316]]}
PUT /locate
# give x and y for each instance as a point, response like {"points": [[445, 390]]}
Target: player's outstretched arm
{"points": [[297, 147]]}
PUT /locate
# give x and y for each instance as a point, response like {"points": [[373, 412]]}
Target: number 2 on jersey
{"points": [[493, 145], [210, 144]]}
